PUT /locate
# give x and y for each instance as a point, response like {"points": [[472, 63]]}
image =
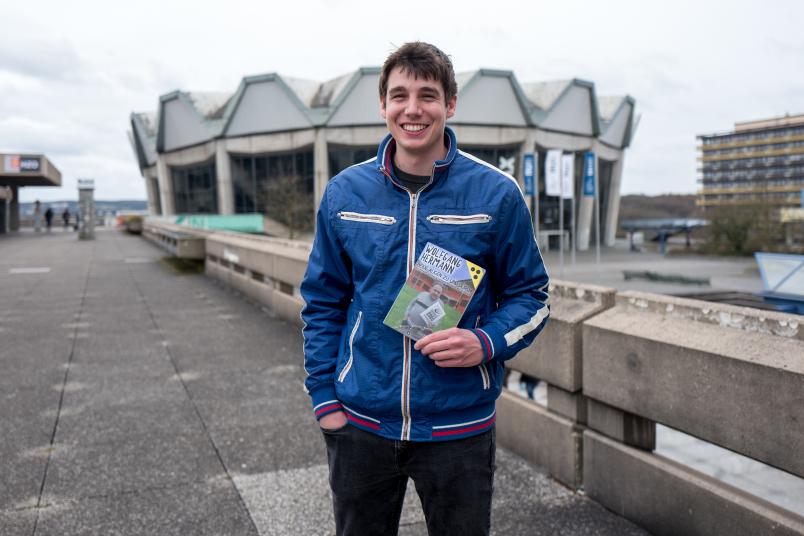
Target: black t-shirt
{"points": [[414, 183]]}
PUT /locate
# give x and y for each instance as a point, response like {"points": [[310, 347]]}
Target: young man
{"points": [[390, 409]]}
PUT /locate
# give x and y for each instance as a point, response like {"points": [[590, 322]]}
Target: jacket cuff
{"points": [[486, 343], [325, 402]]}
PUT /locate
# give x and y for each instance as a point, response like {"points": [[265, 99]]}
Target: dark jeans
{"points": [[368, 475]]}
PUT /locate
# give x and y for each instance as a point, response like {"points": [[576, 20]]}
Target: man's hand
{"points": [[453, 347], [333, 421]]}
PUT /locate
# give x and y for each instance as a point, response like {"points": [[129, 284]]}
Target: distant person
{"points": [[37, 216], [77, 223], [65, 216], [48, 218]]}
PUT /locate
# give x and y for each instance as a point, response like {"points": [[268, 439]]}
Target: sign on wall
{"points": [[589, 165], [529, 172], [552, 172], [14, 163], [568, 175]]}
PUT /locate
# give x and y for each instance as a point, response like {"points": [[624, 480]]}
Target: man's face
{"points": [[416, 112], [435, 292]]}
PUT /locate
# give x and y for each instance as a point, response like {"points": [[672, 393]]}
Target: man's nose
{"points": [[412, 107]]}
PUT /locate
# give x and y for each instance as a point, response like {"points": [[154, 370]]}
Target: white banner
{"points": [[552, 172], [568, 175]]}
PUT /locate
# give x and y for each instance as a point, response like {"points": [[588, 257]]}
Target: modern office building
{"points": [[758, 162], [17, 171], [220, 153]]}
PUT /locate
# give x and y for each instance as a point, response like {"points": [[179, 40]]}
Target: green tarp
{"points": [[241, 223]]}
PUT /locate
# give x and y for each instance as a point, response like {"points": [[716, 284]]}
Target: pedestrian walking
{"points": [[65, 216], [48, 218]]}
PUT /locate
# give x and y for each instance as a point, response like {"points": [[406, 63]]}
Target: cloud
{"points": [[37, 58]]}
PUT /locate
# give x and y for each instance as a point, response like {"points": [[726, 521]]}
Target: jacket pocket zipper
{"points": [[453, 219], [484, 372], [367, 218], [348, 367]]}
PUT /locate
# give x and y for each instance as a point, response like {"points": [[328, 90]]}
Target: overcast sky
{"points": [[71, 72]]}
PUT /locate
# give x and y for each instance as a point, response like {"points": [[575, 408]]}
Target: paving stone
{"points": [[17, 523], [211, 508], [146, 461]]}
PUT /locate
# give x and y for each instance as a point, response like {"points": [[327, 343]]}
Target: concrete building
{"points": [[758, 162], [216, 153], [16, 171]]}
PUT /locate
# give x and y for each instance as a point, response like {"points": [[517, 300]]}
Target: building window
{"points": [[341, 158], [504, 158], [254, 178], [194, 189]]}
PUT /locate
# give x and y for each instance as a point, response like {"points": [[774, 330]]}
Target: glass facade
{"points": [[254, 178], [341, 158], [194, 189], [504, 158]]}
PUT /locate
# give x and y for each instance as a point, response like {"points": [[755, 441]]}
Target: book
{"points": [[435, 294]]}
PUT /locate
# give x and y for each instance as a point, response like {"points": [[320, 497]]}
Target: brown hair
{"points": [[422, 60]]}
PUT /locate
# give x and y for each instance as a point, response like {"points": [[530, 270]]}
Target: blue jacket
{"points": [[370, 231]]}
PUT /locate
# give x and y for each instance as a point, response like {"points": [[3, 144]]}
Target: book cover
{"points": [[435, 294]]}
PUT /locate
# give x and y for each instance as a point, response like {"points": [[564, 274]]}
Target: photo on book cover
{"points": [[435, 294]]}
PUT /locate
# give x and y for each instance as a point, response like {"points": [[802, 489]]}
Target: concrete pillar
{"points": [[223, 174], [165, 187], [627, 428], [321, 166], [14, 210], [573, 406], [151, 193], [613, 203]]}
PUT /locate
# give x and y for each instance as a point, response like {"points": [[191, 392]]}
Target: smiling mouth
{"points": [[413, 127]]}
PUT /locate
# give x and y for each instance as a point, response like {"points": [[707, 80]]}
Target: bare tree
{"points": [[288, 202]]}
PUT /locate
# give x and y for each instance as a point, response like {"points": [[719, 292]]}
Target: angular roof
{"points": [[617, 120], [275, 103], [491, 97], [143, 138]]}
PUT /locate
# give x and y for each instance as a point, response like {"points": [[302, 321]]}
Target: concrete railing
{"points": [[615, 365], [269, 270], [179, 241], [729, 375]]}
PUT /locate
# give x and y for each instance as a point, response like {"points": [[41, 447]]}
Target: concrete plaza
{"points": [[135, 400]]}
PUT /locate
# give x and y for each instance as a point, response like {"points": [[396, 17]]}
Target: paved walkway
{"points": [[134, 400]]}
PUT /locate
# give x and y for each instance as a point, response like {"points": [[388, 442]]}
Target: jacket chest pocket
{"points": [[365, 236], [459, 219], [361, 217]]}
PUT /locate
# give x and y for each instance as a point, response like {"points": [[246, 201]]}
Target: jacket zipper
{"points": [[348, 367], [407, 347], [484, 372], [459, 220], [370, 218]]}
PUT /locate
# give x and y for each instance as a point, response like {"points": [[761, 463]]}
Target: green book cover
{"points": [[435, 294]]}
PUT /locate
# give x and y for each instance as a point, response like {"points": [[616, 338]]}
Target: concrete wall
{"points": [[616, 364]]}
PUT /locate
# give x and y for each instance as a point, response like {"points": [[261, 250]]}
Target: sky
{"points": [[72, 72]]}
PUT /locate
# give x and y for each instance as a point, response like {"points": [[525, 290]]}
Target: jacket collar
{"points": [[388, 146]]}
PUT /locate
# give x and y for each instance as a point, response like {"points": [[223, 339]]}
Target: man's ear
{"points": [[382, 107], [451, 105]]}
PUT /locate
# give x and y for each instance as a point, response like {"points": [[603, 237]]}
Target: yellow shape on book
{"points": [[476, 272]]}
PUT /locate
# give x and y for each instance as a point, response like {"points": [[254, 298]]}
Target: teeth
{"points": [[413, 128]]}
